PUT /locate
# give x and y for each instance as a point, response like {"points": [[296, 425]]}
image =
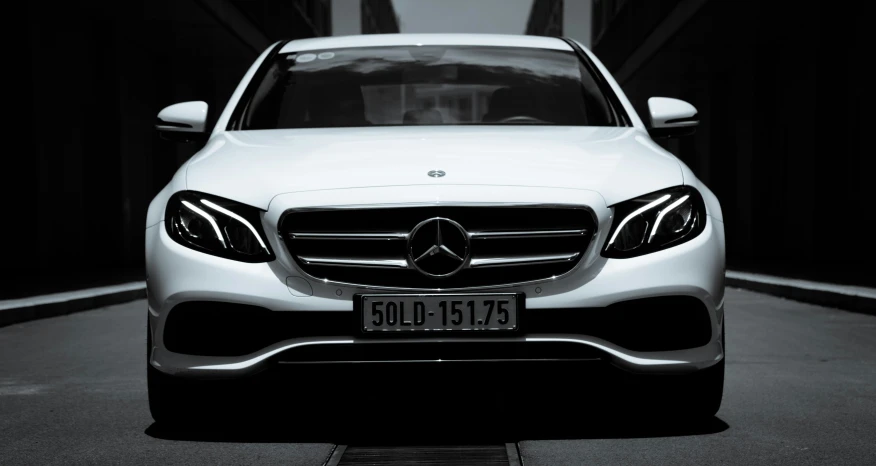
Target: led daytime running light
{"points": [[665, 211], [240, 219], [636, 212], [209, 218]]}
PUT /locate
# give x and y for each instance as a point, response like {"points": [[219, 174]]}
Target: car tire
{"points": [[705, 390], [176, 401], [168, 396], [692, 397], [703, 393]]}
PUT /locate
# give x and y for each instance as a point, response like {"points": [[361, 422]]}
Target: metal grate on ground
{"points": [[451, 455]]}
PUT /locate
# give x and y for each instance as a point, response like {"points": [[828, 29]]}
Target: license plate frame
{"points": [[361, 313]]}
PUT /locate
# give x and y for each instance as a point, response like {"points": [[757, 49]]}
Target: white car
{"points": [[446, 197]]}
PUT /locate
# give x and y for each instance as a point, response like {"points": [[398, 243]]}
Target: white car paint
{"points": [[378, 40], [619, 163], [664, 110], [277, 170], [189, 117]]}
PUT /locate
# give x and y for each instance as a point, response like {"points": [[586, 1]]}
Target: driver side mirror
{"points": [[671, 118], [183, 122]]}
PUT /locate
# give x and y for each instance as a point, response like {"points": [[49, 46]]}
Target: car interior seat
{"points": [[337, 105], [507, 102], [423, 117]]}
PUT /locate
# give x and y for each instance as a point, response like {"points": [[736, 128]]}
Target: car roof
{"points": [[378, 40]]}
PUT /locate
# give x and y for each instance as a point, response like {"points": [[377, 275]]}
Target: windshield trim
{"points": [[236, 121], [621, 117]]}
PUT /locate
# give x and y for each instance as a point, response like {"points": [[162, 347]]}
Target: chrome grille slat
{"points": [[368, 246], [379, 263], [526, 234], [353, 236], [522, 260]]}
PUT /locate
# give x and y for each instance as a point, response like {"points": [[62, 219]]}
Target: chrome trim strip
{"points": [[382, 263], [333, 236], [477, 234], [526, 234], [422, 361], [633, 358], [679, 361], [401, 205], [522, 260]]}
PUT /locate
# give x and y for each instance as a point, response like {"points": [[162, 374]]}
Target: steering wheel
{"points": [[521, 119]]}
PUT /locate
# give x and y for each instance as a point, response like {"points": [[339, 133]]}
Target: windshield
{"points": [[425, 85]]}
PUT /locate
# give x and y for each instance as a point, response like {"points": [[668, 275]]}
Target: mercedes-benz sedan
{"points": [[432, 199]]}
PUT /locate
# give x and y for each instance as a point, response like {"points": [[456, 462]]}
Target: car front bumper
{"points": [[177, 274]]}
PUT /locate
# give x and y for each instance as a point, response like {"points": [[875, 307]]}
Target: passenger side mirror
{"points": [[671, 118], [183, 122]]}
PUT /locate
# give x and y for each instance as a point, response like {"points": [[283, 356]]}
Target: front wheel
{"points": [[676, 398], [688, 397], [165, 399], [170, 398], [198, 403], [702, 393]]}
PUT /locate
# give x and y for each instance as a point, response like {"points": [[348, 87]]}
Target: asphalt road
{"points": [[800, 389]]}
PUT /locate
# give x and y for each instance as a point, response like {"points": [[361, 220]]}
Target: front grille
{"points": [[506, 244]]}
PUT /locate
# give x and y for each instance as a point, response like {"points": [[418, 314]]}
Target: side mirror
{"points": [[671, 118], [183, 122]]}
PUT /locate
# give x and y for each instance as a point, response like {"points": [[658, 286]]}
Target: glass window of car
{"points": [[426, 85]]}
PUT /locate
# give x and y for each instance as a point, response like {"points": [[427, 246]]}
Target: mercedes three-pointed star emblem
{"points": [[438, 247]]}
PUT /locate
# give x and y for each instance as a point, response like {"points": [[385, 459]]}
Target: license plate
{"points": [[412, 313]]}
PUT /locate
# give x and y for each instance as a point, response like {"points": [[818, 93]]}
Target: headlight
{"points": [[655, 221], [217, 226]]}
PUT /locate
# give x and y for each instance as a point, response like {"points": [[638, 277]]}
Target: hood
{"points": [[254, 166]]}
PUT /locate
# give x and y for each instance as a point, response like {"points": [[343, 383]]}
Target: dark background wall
{"points": [[546, 18], [781, 90], [89, 81], [378, 17]]}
